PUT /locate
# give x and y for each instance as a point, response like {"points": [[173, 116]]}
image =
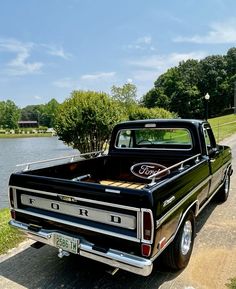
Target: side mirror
{"points": [[214, 152]]}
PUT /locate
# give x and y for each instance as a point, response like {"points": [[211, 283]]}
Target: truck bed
{"points": [[110, 170]]}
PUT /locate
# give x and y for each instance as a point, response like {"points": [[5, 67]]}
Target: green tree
{"points": [[86, 119], [231, 61], [139, 112], [48, 113], [126, 94], [156, 98], [182, 88], [177, 90], [230, 85], [31, 112], [1, 113], [43, 113], [9, 114], [186, 101], [213, 70]]}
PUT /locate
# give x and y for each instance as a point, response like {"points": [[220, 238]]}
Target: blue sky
{"points": [[49, 48]]}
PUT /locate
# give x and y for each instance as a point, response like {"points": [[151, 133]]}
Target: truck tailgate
{"points": [[82, 206]]}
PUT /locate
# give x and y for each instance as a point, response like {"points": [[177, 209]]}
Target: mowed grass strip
{"points": [[9, 237], [223, 126], [25, 135]]}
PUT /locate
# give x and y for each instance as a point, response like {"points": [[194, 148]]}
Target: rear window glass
{"points": [[171, 138]]}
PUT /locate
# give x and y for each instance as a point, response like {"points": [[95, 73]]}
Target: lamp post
{"points": [[207, 97]]}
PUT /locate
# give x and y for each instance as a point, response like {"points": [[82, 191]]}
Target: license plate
{"points": [[66, 243]]}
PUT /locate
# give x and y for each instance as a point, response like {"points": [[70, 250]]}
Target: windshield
{"points": [[165, 138]]}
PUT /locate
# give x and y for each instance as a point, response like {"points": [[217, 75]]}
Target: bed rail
{"points": [[72, 158], [180, 165]]}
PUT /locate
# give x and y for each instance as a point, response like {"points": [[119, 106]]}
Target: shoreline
{"points": [[4, 136]]}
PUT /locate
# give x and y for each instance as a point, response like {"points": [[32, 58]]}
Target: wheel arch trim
{"points": [[188, 209]]}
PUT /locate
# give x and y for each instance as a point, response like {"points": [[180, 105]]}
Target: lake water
{"points": [[15, 151]]}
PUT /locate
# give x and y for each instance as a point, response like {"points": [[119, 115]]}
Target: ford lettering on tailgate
{"points": [[92, 214]]}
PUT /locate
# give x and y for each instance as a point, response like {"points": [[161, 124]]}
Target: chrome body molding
{"points": [[76, 225], [168, 201], [142, 226], [112, 191], [83, 212], [76, 198], [115, 258], [135, 238], [180, 203]]}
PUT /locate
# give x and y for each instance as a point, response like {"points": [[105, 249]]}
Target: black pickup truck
{"points": [[129, 206]]}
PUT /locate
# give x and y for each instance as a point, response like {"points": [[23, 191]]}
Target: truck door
{"points": [[215, 158]]}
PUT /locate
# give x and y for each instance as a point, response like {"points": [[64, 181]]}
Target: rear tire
{"points": [[223, 192], [178, 253]]}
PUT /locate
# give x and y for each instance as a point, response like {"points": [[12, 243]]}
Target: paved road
{"points": [[212, 263]]}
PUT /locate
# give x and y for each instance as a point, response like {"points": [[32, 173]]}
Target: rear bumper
{"points": [[114, 258]]}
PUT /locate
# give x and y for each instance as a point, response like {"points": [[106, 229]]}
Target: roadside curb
{"points": [[20, 248]]}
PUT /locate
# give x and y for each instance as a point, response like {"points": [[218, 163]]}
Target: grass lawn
{"points": [[9, 237], [223, 126], [232, 284]]}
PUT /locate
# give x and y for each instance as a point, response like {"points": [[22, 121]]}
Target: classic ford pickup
{"points": [[131, 205]]}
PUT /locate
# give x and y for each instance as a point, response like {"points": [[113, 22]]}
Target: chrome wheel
{"points": [[186, 239], [224, 191], [226, 186], [178, 253]]}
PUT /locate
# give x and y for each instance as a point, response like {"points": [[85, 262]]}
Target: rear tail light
{"points": [[147, 226], [11, 197], [13, 214], [146, 250]]}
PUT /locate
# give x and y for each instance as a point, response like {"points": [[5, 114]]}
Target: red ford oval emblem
{"points": [[145, 170]]}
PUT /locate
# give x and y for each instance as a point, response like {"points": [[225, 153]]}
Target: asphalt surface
{"points": [[212, 264]]}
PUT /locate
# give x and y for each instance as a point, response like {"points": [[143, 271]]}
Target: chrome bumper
{"points": [[114, 258]]}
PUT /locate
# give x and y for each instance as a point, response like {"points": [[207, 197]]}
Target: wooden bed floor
{"points": [[122, 184]]}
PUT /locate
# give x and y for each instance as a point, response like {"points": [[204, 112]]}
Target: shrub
{"points": [[140, 112], [86, 119]]}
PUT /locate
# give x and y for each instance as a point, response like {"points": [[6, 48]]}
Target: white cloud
{"points": [[221, 32], [57, 51], [20, 65], [86, 81], [144, 40], [142, 43], [98, 76], [37, 97], [160, 63], [146, 70]]}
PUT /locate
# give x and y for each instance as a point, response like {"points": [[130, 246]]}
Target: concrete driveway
{"points": [[212, 264]]}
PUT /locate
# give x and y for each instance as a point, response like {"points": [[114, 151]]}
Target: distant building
{"points": [[27, 123]]}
